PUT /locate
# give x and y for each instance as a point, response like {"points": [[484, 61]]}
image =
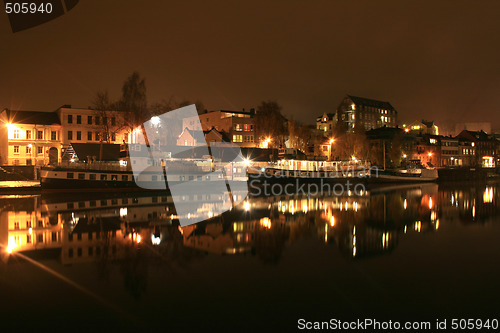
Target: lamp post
{"points": [[330, 143]]}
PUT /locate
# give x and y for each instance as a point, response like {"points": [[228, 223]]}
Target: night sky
{"points": [[438, 60]]}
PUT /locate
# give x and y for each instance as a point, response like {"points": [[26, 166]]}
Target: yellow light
{"points": [[138, 239], [331, 141], [430, 154], [332, 221], [431, 203], [246, 206], [265, 222]]}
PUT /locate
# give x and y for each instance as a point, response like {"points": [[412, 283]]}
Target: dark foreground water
{"points": [[121, 261]]}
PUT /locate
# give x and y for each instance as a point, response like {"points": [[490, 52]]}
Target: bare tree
{"points": [[270, 123]]}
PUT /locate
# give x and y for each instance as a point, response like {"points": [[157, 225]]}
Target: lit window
{"points": [[16, 134], [16, 149]]}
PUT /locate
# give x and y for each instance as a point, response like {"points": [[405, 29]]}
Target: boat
{"points": [[117, 175], [413, 175], [305, 171]]}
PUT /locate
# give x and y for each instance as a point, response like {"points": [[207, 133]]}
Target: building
{"points": [[239, 125], [485, 147], [421, 127], [29, 138], [365, 113], [474, 127], [326, 123], [91, 126], [190, 137]]}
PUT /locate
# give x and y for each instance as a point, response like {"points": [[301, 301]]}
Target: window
{"points": [[79, 252], [70, 119], [124, 178], [39, 150], [70, 253], [78, 119], [237, 138], [89, 237], [16, 149], [97, 136], [16, 225], [238, 127], [39, 135], [91, 251], [40, 238], [81, 176], [104, 177], [78, 135], [89, 120], [89, 136], [53, 135], [28, 149], [16, 134], [97, 120], [28, 224], [113, 137], [28, 239], [70, 175], [79, 236], [54, 236], [70, 135], [28, 134], [92, 176]]}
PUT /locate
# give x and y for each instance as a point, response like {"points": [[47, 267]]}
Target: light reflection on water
{"points": [[137, 232], [372, 224]]}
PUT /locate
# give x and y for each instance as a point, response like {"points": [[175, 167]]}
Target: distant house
{"points": [[190, 137], [239, 126], [421, 127], [326, 123], [365, 113]]}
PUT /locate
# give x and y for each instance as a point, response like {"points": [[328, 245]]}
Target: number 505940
{"points": [[474, 324], [27, 7]]}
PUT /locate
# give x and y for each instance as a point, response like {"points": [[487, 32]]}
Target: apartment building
{"points": [[29, 137]]}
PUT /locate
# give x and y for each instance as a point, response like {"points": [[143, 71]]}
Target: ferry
{"points": [[119, 175], [290, 170]]}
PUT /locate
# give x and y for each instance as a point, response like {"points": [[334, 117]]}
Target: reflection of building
{"points": [[29, 138], [366, 113]]}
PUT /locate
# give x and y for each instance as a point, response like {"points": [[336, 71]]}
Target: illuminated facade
{"points": [[326, 123], [29, 138], [366, 113], [421, 127], [91, 126]]}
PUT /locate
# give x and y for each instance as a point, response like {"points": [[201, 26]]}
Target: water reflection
{"points": [[137, 230]]}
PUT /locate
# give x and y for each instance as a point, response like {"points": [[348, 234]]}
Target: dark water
{"points": [[121, 261]]}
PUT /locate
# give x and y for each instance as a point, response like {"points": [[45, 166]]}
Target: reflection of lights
{"points": [[246, 206], [437, 224], [452, 199], [431, 203], [433, 216], [405, 204], [12, 244], [155, 240], [265, 222], [123, 211], [326, 233], [246, 162], [138, 239], [474, 211], [405, 229], [332, 221], [354, 231], [488, 195], [30, 231], [354, 251]]}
